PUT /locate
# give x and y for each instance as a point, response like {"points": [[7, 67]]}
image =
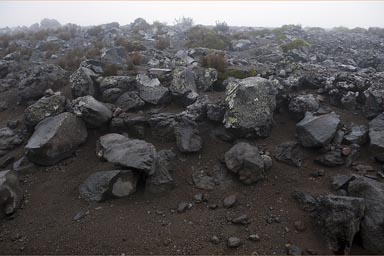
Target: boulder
{"points": [[10, 138], [112, 87], [151, 91], [357, 135], [93, 112], [104, 185], [290, 153], [56, 138], [83, 83], [376, 136], [339, 218], [163, 126], [39, 79], [116, 55], [161, 180], [245, 160], [11, 193], [250, 103], [374, 102], [331, 158], [204, 78], [372, 224], [131, 153], [130, 101], [183, 81], [187, 135], [43, 108], [301, 104], [317, 131], [215, 112]]}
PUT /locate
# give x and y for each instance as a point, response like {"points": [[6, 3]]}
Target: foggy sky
{"points": [[325, 14]]}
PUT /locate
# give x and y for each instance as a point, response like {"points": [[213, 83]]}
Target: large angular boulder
{"points": [[112, 87], [250, 103], [104, 185], [376, 136], [374, 102], [301, 104], [204, 78], [161, 180], [131, 153], [187, 135], [151, 91], [357, 135], [56, 138], [372, 225], [83, 83], [11, 193], [339, 218], [39, 79], [290, 153], [245, 160], [183, 81], [130, 101], [317, 131], [43, 108], [92, 111]]}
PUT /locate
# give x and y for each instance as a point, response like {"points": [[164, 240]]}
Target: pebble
{"points": [[80, 215], [254, 237], [230, 201], [233, 242], [213, 206], [215, 240], [299, 226], [183, 206], [243, 220], [318, 173]]}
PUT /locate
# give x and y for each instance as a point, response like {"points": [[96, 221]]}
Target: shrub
{"points": [[295, 44], [237, 73], [215, 60], [93, 52], [200, 36], [65, 35], [94, 31], [72, 59], [162, 43], [111, 70], [50, 48], [129, 46], [184, 22], [221, 27], [136, 58], [341, 29]]}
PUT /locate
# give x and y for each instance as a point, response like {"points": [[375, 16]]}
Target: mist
{"points": [[325, 14]]}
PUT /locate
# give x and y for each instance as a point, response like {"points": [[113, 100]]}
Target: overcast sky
{"points": [[247, 13]]}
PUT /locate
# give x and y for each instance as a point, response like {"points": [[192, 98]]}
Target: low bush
{"points": [[215, 60], [162, 43], [129, 46], [295, 44], [72, 59], [200, 36]]}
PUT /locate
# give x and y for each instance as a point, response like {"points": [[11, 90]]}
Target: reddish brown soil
{"points": [[144, 224]]}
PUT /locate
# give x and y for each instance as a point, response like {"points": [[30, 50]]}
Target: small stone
{"points": [[243, 220], [215, 240], [254, 237], [299, 226], [80, 215], [233, 242], [293, 249], [229, 201], [198, 198], [183, 206], [213, 206], [318, 173]]}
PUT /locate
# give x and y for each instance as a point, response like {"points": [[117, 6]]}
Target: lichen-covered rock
{"points": [[250, 103], [183, 81], [43, 108], [93, 112], [204, 78], [317, 131], [104, 185], [303, 103], [11, 193], [56, 138], [83, 83], [245, 160]]}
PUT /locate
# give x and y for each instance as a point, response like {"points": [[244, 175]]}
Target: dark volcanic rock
{"points": [[151, 91], [130, 101], [317, 131], [372, 225], [93, 112], [245, 160], [357, 135], [250, 103], [339, 218], [331, 158], [376, 136], [103, 185], [301, 104], [136, 154], [187, 135], [11, 193], [10, 138], [83, 83], [161, 180], [55, 138], [290, 153], [43, 108]]}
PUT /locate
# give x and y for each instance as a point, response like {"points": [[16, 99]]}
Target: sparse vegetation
{"points": [[295, 44], [200, 36], [50, 48], [137, 58], [184, 22], [215, 60], [111, 70], [72, 59], [162, 43], [221, 27], [129, 46]]}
